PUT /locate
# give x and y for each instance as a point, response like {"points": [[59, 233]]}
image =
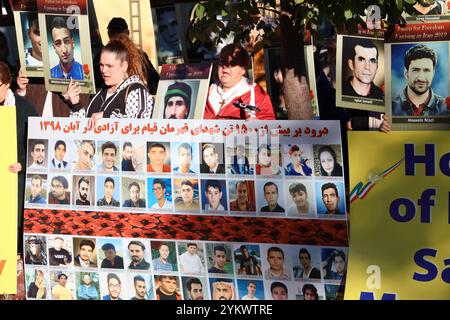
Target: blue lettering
{"points": [[425, 202], [419, 259], [428, 159], [394, 210], [446, 272], [371, 296], [444, 164]]}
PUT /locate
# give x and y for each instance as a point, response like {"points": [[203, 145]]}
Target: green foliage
{"points": [[241, 16]]}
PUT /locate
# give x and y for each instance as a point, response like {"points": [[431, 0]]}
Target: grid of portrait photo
{"points": [[62, 267], [290, 180]]}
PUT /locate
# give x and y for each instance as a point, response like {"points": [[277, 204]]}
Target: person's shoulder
{"points": [[77, 64], [376, 91], [347, 88], [136, 86]]}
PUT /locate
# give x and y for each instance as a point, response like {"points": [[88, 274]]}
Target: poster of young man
{"points": [[65, 36], [168, 42], [182, 91], [418, 84], [28, 36], [427, 10], [360, 73]]}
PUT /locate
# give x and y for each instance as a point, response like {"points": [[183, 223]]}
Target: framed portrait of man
{"points": [[418, 85], [360, 73], [66, 43]]}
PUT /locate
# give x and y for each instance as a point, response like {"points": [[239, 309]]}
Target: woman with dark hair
{"points": [[234, 88], [328, 162], [310, 292], [126, 94]]}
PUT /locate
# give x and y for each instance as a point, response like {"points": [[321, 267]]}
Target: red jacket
{"points": [[230, 111]]}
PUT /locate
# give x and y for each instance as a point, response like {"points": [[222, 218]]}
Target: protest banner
{"points": [[399, 216], [131, 198]]}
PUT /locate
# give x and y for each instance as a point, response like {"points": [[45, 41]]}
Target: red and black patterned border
{"points": [[187, 227]]}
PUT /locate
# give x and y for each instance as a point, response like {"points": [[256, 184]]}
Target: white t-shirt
{"points": [[167, 205], [191, 263]]}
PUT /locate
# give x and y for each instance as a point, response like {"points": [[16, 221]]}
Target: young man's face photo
{"points": [[364, 65], [87, 279], [110, 254], [271, 195], [420, 75], [58, 244], [136, 253], [140, 288], [109, 189], [339, 264], [196, 292], [299, 198], [86, 253], [192, 249], [62, 281], [63, 44], [36, 187], [220, 259], [276, 260], [83, 191], [214, 196], [279, 293], [158, 191], [58, 190], [168, 27], [223, 291], [210, 157], [38, 154], [176, 108], [251, 288], [164, 252], [134, 194], [187, 193], [60, 152], [127, 153], [168, 285], [185, 157], [114, 288], [157, 155], [109, 157], [330, 199], [86, 155]]}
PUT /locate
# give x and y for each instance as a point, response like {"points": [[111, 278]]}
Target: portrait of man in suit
{"points": [[58, 161]]}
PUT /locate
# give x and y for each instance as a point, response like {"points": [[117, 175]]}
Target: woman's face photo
{"points": [[327, 162], [264, 157]]}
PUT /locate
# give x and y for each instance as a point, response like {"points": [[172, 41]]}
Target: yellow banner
{"points": [[400, 215], [8, 200]]}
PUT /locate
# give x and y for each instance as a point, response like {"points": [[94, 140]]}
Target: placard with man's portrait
{"points": [[360, 73]]}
